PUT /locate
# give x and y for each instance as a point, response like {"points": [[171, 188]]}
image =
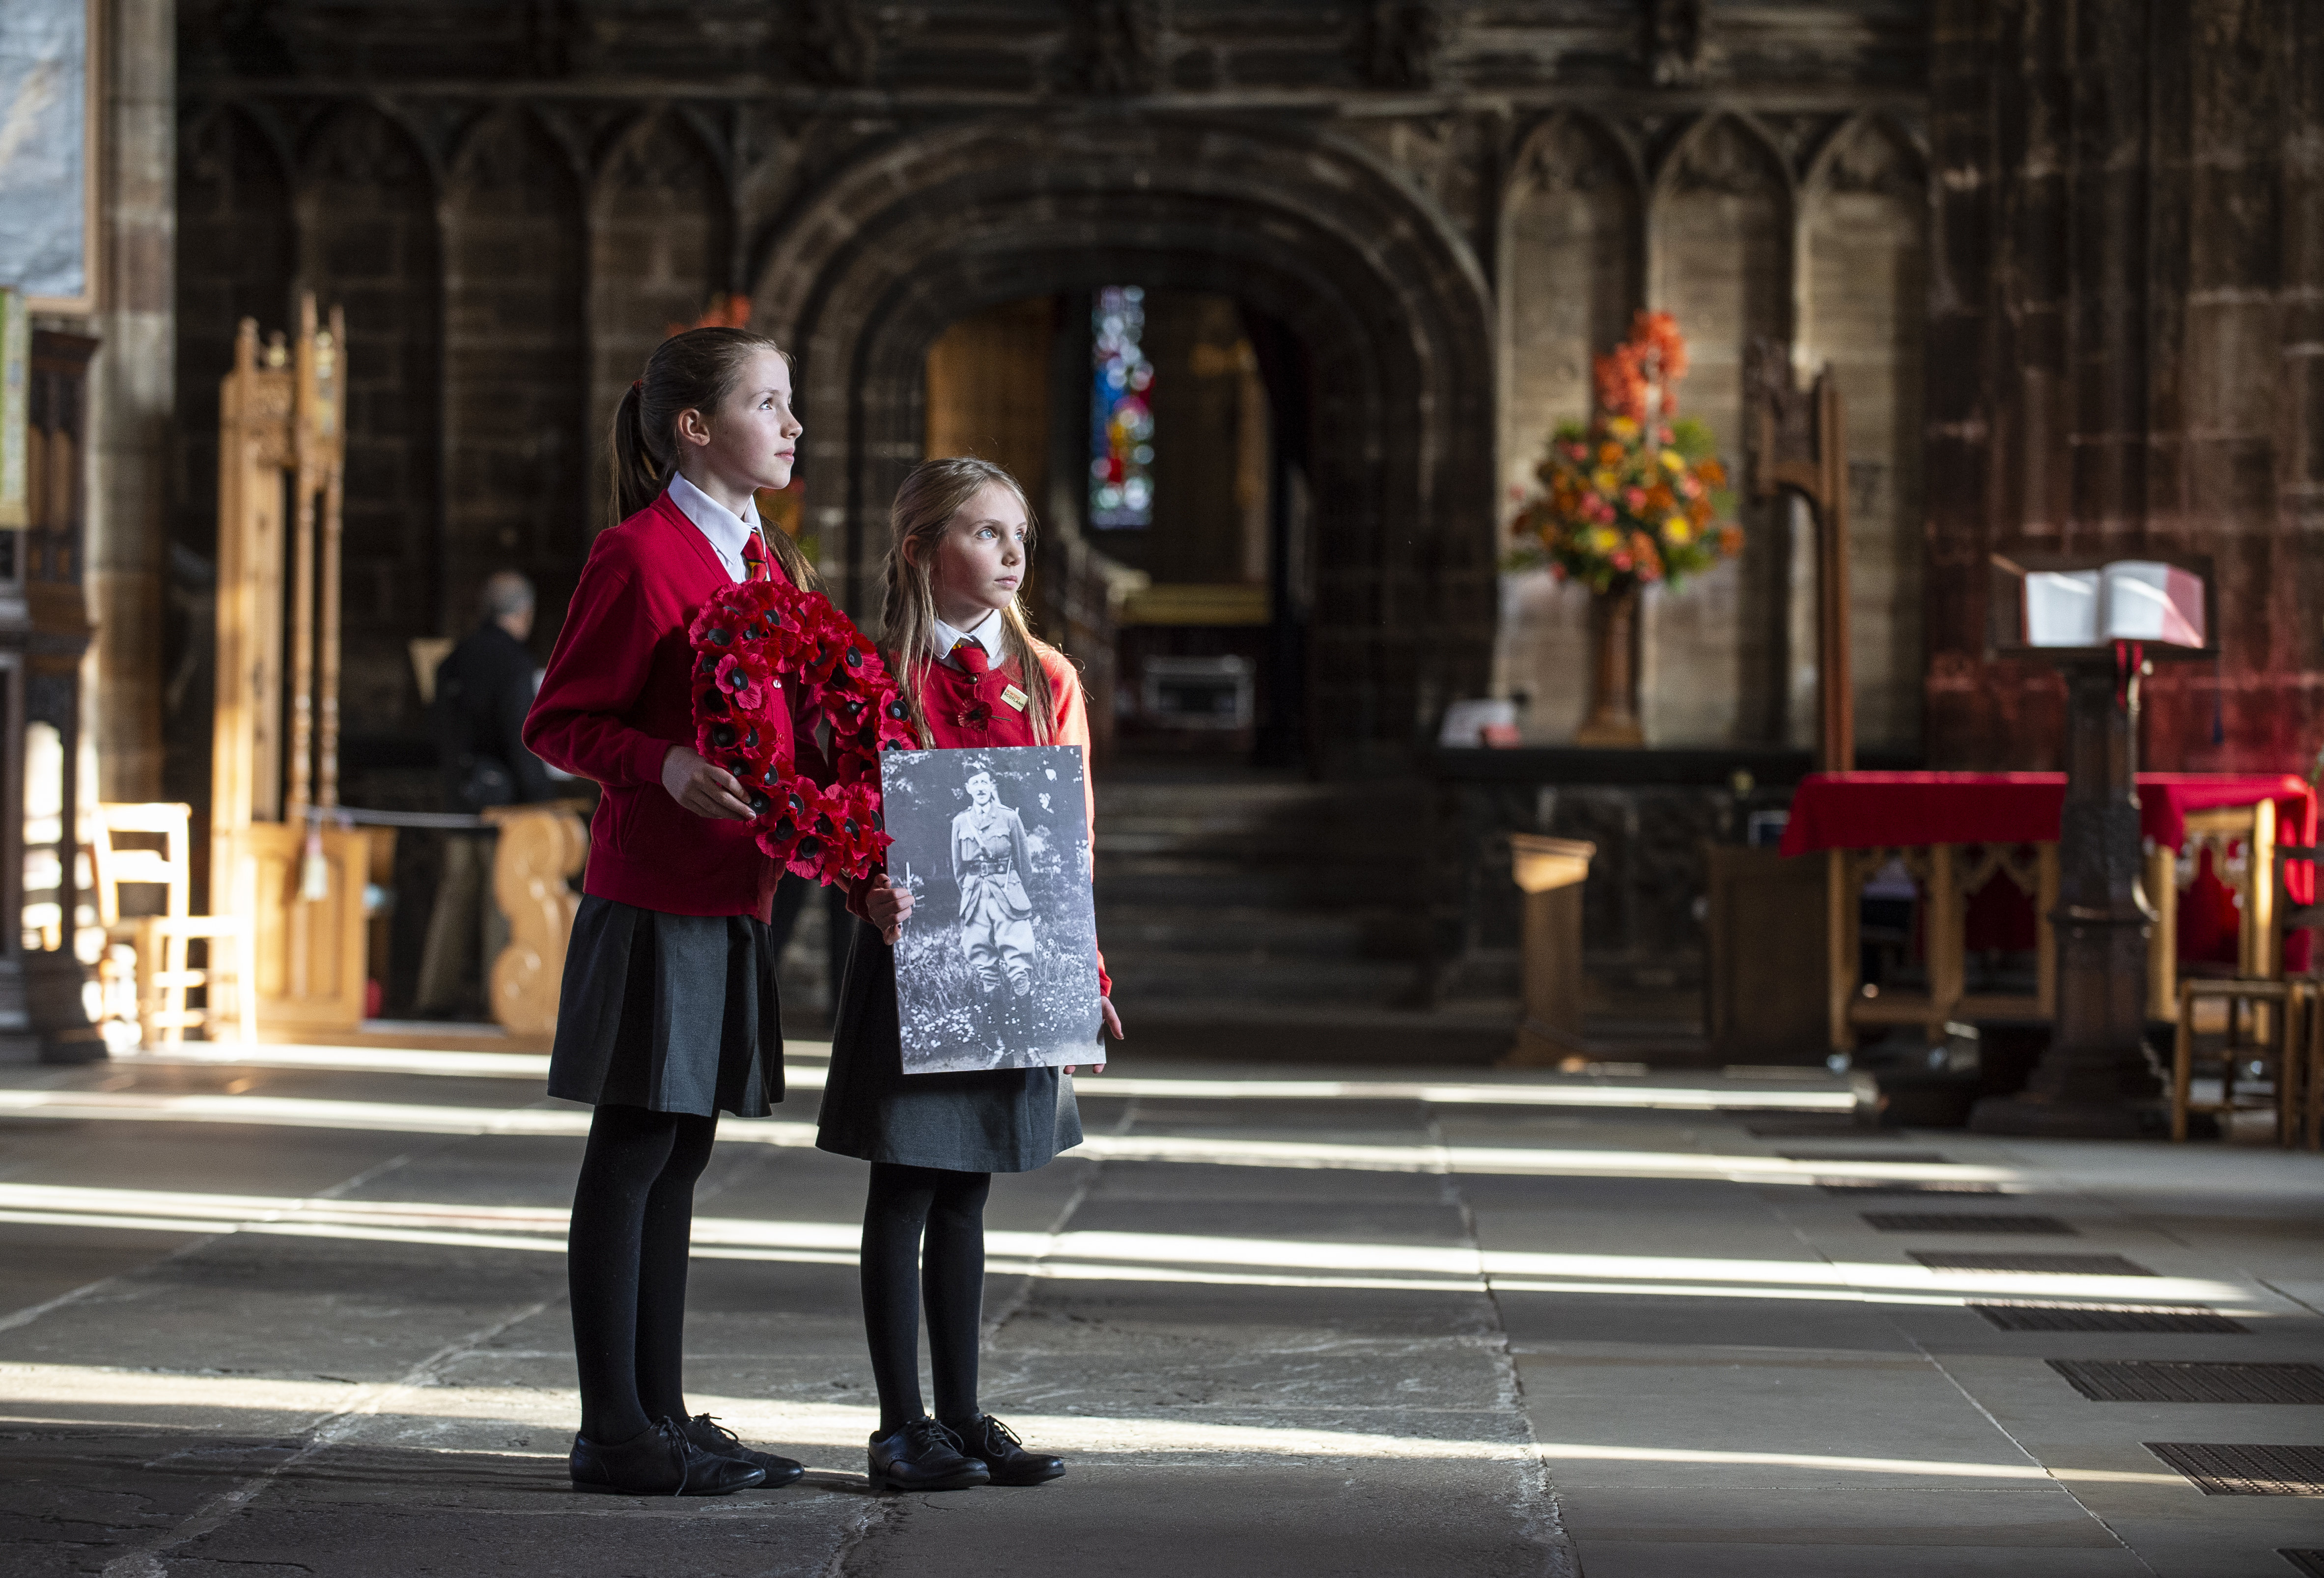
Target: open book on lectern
{"points": [[2130, 600]]}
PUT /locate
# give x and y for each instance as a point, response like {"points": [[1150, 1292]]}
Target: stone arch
{"points": [[661, 239], [1391, 307], [1572, 273], [1572, 217], [1719, 249], [1864, 308], [515, 403], [1867, 152], [370, 240]]}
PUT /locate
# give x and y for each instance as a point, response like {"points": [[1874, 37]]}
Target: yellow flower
{"points": [[1604, 538], [1674, 462], [1604, 480], [1623, 428], [1678, 529]]}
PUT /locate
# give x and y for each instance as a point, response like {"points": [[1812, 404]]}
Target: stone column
{"points": [[133, 390]]}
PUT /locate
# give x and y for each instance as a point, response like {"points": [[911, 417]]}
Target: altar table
{"points": [[1955, 831]]}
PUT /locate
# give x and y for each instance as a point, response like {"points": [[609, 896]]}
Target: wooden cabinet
{"points": [[1767, 945], [311, 952]]}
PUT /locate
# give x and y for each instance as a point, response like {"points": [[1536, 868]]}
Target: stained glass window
{"points": [[1121, 423]]}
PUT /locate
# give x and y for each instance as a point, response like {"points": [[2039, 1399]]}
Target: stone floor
{"points": [[305, 1316]]}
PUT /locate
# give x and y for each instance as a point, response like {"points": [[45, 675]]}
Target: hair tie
{"points": [[639, 384]]}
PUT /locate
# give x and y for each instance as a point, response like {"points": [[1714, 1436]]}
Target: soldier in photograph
{"points": [[996, 917]]}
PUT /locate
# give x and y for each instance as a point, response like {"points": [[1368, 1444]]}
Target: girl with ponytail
{"points": [[668, 1014], [974, 676]]}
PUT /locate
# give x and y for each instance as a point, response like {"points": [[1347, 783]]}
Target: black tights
{"points": [[625, 1258], [951, 1207]]}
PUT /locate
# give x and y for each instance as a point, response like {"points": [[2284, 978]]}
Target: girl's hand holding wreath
{"points": [[701, 788]]}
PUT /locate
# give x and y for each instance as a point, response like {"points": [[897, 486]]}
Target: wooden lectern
{"points": [[298, 880]]}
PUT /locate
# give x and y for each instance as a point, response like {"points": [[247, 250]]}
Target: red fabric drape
{"points": [[1866, 810]]}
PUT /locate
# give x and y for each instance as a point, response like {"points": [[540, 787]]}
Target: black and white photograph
{"points": [[998, 963]]}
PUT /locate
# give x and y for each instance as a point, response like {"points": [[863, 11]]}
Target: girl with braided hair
{"points": [[973, 676]]}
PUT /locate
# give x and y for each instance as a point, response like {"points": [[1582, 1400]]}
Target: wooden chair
{"points": [[2292, 1009], [2282, 1046], [163, 943], [2308, 918]]}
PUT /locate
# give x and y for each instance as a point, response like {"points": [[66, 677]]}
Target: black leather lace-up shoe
{"points": [[923, 1455], [661, 1462], [715, 1439], [996, 1446]]}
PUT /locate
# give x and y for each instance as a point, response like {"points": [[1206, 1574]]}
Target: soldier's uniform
{"points": [[996, 917]]}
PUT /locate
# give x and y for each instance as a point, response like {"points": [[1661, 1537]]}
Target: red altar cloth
{"points": [[1866, 810]]}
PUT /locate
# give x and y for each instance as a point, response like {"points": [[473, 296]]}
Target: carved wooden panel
{"points": [[312, 954], [540, 850]]}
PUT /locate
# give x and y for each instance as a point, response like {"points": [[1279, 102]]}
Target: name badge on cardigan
{"points": [[1015, 697]]}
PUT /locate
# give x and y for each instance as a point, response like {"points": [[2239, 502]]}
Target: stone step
{"points": [[1230, 887], [1282, 933], [1322, 845], [1241, 1034], [1220, 981]]}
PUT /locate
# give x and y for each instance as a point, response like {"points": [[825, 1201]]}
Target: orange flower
{"points": [[1711, 472]]}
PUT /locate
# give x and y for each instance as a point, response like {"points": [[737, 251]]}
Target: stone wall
{"points": [[1449, 207], [1773, 222], [2126, 346]]}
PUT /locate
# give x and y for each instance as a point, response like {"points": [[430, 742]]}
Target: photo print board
{"points": [[997, 964]]}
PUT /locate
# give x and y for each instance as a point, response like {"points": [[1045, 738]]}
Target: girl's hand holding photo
{"points": [[1112, 1027], [701, 788], [888, 907]]}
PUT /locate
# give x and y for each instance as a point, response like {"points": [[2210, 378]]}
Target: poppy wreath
{"points": [[750, 640]]}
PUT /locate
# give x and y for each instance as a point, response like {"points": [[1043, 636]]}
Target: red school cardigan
{"points": [[617, 696], [965, 712]]}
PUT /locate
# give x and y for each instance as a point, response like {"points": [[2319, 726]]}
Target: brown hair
{"points": [[693, 371], [935, 492]]}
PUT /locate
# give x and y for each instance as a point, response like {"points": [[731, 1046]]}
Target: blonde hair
{"points": [[693, 371], [935, 492]]}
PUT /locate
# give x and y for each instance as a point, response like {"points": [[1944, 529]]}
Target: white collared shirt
{"points": [[987, 635], [727, 530]]}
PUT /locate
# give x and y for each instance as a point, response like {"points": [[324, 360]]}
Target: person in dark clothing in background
{"points": [[484, 689], [482, 692]]}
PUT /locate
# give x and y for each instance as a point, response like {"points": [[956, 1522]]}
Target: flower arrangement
{"points": [[1637, 494], [751, 640]]}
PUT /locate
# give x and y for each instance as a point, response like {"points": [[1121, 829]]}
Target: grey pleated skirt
{"points": [[990, 1120], [676, 1013]]}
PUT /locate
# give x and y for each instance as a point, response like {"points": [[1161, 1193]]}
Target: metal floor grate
{"points": [[1963, 1222], [2311, 1562], [1903, 1186], [1849, 1156], [2037, 1265], [2222, 1470], [2162, 1380], [2102, 1317]]}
